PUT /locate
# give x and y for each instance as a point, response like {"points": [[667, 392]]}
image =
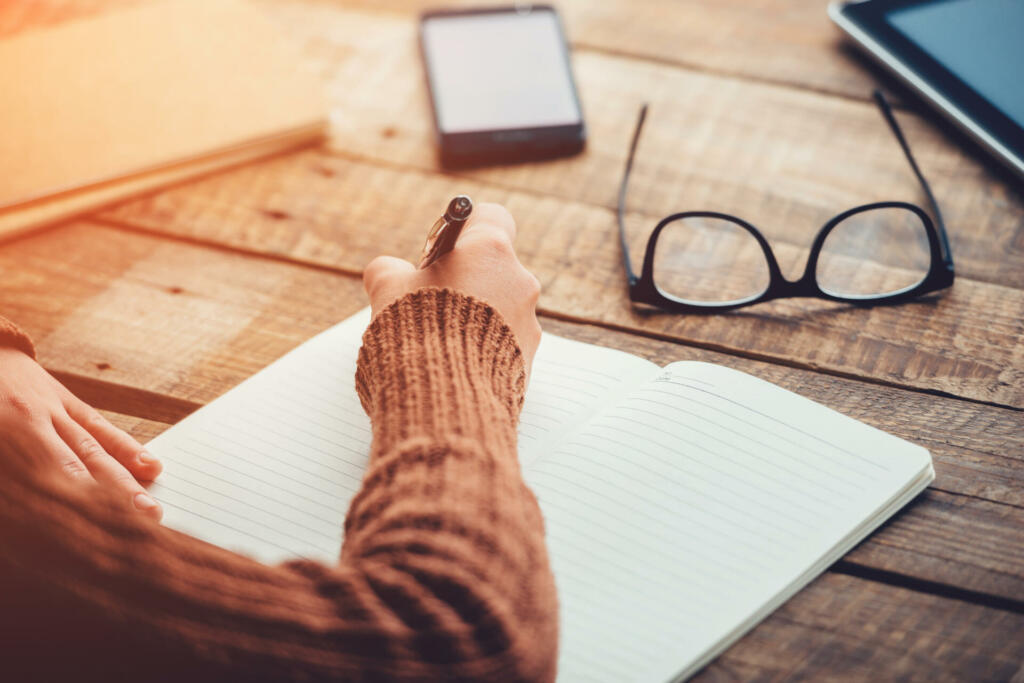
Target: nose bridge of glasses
{"points": [[805, 285]]}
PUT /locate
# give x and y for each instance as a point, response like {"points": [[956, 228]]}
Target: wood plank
{"points": [[845, 628], [785, 160], [142, 429], [781, 41], [339, 213], [190, 322], [182, 322]]}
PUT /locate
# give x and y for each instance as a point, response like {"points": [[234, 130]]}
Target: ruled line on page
{"points": [[293, 431], [318, 476], [781, 422], [664, 534], [220, 495], [711, 542], [816, 453], [633, 466], [260, 445], [220, 523], [299, 497], [747, 453], [259, 530], [607, 568], [761, 544], [678, 454], [812, 463], [331, 523], [623, 550], [285, 408]]}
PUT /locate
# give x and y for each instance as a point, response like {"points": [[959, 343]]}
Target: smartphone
{"points": [[501, 85]]}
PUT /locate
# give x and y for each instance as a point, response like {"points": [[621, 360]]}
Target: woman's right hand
{"points": [[482, 264], [45, 425]]}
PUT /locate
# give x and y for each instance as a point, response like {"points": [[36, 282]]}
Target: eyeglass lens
{"points": [[709, 260], [875, 252]]}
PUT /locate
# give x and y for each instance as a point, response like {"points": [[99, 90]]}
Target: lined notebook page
{"points": [[677, 515], [269, 468]]}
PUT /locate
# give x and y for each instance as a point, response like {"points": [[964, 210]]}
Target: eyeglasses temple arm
{"points": [[621, 213], [883, 104]]}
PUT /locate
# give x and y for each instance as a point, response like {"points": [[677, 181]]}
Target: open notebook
{"points": [[683, 504]]}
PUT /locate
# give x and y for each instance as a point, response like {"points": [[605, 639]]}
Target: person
{"points": [[443, 574]]}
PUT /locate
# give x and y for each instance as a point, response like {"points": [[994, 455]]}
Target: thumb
{"points": [[381, 274]]}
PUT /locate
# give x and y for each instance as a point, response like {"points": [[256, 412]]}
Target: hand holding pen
{"points": [[479, 261], [446, 230]]}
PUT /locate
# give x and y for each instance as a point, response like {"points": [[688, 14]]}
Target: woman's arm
{"points": [[443, 573]]}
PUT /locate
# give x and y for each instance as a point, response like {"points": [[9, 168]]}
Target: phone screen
{"points": [[499, 71]]}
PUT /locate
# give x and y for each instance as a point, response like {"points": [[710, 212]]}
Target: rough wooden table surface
{"points": [[156, 306]]}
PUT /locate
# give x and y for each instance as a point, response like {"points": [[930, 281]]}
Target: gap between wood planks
{"points": [[889, 85], [919, 585], [555, 315]]}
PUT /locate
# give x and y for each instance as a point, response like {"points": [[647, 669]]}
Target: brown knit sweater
{"points": [[443, 574]]}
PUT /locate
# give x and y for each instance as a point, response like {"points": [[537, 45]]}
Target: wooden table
{"points": [[156, 306]]}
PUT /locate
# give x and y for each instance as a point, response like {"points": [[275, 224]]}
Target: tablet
{"points": [[964, 56]]}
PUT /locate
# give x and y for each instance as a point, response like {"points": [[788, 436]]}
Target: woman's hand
{"points": [[44, 424], [482, 264]]}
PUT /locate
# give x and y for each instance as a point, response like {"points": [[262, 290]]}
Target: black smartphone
{"points": [[501, 85]]}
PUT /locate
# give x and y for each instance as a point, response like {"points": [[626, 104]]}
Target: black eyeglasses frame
{"points": [[940, 275]]}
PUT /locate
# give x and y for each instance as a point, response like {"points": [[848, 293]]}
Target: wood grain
{"points": [[784, 159], [181, 322], [333, 212], [142, 429], [732, 37], [842, 628], [189, 322]]}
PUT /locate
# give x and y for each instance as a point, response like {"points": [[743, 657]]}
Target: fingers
{"points": [[383, 267], [47, 439], [380, 279], [104, 468], [488, 217], [114, 441]]}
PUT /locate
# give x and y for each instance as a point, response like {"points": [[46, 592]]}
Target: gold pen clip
{"points": [[445, 231]]}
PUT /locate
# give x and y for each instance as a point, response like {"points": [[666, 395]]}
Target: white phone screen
{"points": [[499, 71]]}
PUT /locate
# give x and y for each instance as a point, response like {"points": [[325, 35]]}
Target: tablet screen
{"points": [[979, 41]]}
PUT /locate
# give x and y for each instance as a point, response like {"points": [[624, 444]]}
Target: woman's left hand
{"points": [[47, 426]]}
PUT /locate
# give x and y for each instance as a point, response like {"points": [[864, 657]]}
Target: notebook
{"points": [[102, 107], [682, 504]]}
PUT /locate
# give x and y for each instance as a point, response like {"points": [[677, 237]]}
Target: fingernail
{"points": [[147, 458], [145, 503]]}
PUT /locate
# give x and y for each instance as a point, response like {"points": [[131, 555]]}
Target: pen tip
{"points": [[460, 207]]}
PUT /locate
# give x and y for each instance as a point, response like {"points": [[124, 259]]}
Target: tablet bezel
{"points": [[865, 22]]}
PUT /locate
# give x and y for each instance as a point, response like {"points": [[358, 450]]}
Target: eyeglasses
{"points": [[885, 252]]}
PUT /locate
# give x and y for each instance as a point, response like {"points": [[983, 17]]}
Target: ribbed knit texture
{"points": [[443, 573]]}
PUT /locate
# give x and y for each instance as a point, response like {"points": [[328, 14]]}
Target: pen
{"points": [[442, 236]]}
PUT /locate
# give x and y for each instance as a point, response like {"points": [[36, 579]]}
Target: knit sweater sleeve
{"points": [[443, 574], [11, 335]]}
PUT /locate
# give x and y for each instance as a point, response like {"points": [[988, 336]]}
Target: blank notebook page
{"points": [[680, 516]]}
